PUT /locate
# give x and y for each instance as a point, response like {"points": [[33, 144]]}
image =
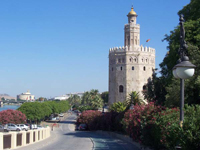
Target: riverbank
{"points": [[5, 107]]}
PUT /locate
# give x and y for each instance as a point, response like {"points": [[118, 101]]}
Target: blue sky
{"points": [[54, 47]]}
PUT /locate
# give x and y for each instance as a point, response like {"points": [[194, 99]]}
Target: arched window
{"points": [[144, 68], [132, 67], [144, 87], [121, 89], [121, 68]]}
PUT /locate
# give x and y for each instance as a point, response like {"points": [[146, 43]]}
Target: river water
{"points": [[5, 107]]}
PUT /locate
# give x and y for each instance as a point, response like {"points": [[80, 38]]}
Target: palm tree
{"points": [[118, 107], [133, 99]]}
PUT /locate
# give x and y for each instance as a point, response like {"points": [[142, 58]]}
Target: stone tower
{"points": [[130, 66]]}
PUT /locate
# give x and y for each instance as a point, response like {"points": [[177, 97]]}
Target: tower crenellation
{"points": [[130, 48], [131, 65]]}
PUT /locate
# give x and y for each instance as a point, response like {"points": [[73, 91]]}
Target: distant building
{"points": [[64, 97], [26, 96]]}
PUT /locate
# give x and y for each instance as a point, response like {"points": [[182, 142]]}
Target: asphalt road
{"points": [[66, 138]]}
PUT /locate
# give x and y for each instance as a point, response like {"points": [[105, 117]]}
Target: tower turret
{"points": [[132, 31], [132, 16]]}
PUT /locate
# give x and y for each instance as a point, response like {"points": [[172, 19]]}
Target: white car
{"points": [[23, 127], [53, 119], [12, 127], [40, 127], [33, 126], [61, 115]]}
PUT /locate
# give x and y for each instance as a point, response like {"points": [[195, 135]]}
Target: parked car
{"points": [[40, 127], [33, 126], [61, 115], [53, 119], [2, 129], [27, 124], [82, 127], [12, 127], [23, 127]]}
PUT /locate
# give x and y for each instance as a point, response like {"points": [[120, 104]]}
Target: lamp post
{"points": [[184, 69]]}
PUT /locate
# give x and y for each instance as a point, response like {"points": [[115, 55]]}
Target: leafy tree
{"points": [[36, 111], [74, 100], [169, 87], [92, 99], [155, 89], [33, 111], [84, 108], [105, 96]]}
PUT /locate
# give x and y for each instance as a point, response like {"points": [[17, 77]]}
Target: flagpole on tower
{"points": [[146, 42]]}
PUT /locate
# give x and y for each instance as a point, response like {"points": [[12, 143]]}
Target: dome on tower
{"points": [[132, 12]]}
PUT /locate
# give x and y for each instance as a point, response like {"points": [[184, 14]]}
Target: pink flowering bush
{"points": [[135, 120], [12, 116], [155, 132], [91, 118], [111, 121], [154, 126], [95, 120]]}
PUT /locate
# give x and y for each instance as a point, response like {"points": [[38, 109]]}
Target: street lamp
{"points": [[184, 68]]}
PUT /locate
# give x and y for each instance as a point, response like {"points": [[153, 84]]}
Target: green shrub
{"points": [[118, 107]]}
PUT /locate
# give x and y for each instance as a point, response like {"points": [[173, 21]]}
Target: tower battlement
{"points": [[130, 48]]}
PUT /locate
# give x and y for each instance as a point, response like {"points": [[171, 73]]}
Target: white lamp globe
{"points": [[184, 72], [174, 73]]}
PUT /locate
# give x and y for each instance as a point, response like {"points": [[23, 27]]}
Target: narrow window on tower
{"points": [[144, 68], [112, 68], [144, 87], [132, 67], [121, 68], [128, 40], [121, 89]]}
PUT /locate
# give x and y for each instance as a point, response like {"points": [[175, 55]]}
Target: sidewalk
{"points": [[38, 145]]}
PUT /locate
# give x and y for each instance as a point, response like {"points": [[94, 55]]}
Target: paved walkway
{"points": [[42, 143]]}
